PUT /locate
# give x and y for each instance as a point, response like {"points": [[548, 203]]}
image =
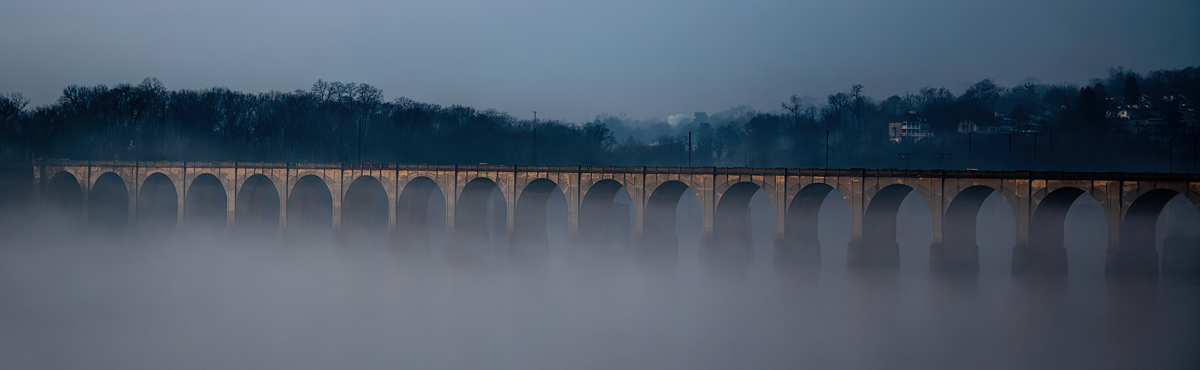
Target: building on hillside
{"points": [[970, 127], [909, 131], [1005, 124], [1159, 120]]}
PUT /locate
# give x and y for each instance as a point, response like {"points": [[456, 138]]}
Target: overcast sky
{"points": [[574, 59]]}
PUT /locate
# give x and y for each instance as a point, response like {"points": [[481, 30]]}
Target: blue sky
{"points": [[573, 60]]}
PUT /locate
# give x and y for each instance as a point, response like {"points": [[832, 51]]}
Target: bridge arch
{"points": [[530, 240], [108, 203], [878, 248], [480, 221], [892, 187], [365, 209], [958, 253], [801, 246], [205, 205], [737, 186], [1046, 254], [310, 207], [1179, 251], [597, 227], [412, 212], [157, 203], [732, 247], [1137, 254], [660, 242], [257, 205], [65, 194]]}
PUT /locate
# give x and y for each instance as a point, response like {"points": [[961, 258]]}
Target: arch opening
{"points": [[310, 208], [365, 211], [660, 245], [530, 237], [108, 203], [257, 206], [801, 246], [480, 220], [605, 219], [1046, 253], [1178, 234], [879, 248], [417, 221], [958, 253], [157, 204], [206, 205], [732, 246], [64, 195], [995, 235], [1137, 255]]}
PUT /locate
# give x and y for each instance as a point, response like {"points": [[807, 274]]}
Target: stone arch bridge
{"points": [[392, 199]]}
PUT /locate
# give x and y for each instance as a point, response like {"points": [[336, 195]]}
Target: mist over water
{"points": [[77, 297]]}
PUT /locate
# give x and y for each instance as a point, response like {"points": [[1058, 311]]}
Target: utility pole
{"points": [[827, 149], [968, 150], [1009, 151], [1034, 166], [689, 149], [1170, 154], [1050, 158], [535, 138]]}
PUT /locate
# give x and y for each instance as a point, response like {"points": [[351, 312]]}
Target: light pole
{"points": [[827, 149], [968, 150]]}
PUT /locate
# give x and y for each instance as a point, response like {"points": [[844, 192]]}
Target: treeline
{"points": [[1055, 127], [333, 122]]}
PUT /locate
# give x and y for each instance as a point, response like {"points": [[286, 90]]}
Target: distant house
{"points": [[1004, 124], [1160, 122], [970, 127], [909, 131]]}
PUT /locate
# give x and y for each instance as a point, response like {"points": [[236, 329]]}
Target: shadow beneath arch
{"points": [[257, 209], [530, 247], [731, 250], [205, 207], [605, 218], [64, 197], [108, 205], [310, 211], [413, 236], [364, 215], [157, 205], [878, 253], [480, 225], [798, 254], [658, 250]]}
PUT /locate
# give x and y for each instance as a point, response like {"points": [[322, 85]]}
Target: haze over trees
{"points": [[1125, 121]]}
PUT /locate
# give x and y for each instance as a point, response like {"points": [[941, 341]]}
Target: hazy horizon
{"points": [[576, 60]]}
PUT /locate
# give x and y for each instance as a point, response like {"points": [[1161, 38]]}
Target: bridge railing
{"points": [[828, 172]]}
